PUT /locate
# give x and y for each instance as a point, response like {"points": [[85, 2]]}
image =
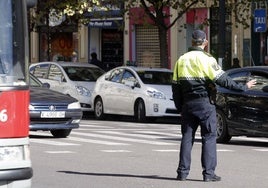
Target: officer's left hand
{"points": [[251, 83]]}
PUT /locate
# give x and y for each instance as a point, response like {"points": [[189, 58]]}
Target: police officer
{"points": [[196, 71]]}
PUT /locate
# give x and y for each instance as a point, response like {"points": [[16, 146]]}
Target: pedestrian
{"points": [[235, 63], [94, 60], [195, 72], [74, 56]]}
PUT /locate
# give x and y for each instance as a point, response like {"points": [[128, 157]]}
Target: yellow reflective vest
{"points": [[197, 71]]}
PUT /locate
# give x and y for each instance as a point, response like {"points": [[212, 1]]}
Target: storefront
{"points": [[106, 39], [57, 46], [58, 40], [144, 49]]}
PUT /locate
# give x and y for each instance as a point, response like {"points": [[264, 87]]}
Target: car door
{"points": [[248, 110], [110, 94], [56, 79], [127, 93]]}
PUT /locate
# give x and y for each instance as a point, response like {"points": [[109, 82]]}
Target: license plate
{"points": [[59, 114]]}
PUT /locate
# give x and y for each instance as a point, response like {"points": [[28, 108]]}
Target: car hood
{"points": [[166, 89], [88, 85], [39, 95]]}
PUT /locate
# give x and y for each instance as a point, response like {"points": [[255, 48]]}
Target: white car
{"points": [[134, 91], [73, 79]]}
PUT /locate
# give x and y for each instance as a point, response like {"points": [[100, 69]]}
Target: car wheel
{"points": [[62, 133], [222, 129], [140, 114], [98, 109]]}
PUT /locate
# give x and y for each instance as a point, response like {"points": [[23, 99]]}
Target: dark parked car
{"points": [[243, 113], [52, 111]]}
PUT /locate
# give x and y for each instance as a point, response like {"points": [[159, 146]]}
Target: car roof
{"points": [[250, 68], [138, 69], [67, 64]]}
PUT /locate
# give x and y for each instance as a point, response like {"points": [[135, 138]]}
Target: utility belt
{"points": [[198, 97], [189, 97]]}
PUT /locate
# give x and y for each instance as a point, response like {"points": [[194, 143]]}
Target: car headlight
{"points": [[74, 105], [83, 91], [156, 94]]}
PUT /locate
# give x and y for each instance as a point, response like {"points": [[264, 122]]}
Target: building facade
{"points": [[121, 40]]}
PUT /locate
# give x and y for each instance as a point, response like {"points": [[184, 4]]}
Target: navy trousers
{"points": [[194, 113]]}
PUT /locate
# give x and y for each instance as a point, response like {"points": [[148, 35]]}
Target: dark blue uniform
{"points": [[196, 71]]}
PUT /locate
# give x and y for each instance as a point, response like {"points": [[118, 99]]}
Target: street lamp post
{"points": [[221, 48]]}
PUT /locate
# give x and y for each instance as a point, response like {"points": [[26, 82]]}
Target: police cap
{"points": [[198, 36]]}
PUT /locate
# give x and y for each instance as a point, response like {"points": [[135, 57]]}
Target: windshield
{"points": [[155, 77], [83, 73], [12, 43]]}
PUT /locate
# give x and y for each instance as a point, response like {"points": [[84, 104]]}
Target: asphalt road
{"points": [[125, 154]]}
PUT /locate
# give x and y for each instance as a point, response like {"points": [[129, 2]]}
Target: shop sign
{"points": [[260, 20], [105, 23]]}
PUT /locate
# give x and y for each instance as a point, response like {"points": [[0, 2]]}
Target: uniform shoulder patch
{"points": [[215, 66]]}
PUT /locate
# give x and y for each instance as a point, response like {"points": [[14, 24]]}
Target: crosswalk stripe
{"points": [[116, 151], [50, 142], [95, 141], [133, 134], [225, 150], [166, 150], [260, 149], [59, 152], [159, 133], [93, 126], [122, 139]]}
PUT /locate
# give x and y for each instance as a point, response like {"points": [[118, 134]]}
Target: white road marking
{"points": [[93, 126], [116, 151], [159, 133], [123, 139], [250, 139], [59, 152], [225, 150], [50, 142], [96, 141], [132, 134], [264, 150], [166, 150]]}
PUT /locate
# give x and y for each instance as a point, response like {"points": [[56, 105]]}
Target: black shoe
{"points": [[180, 178], [213, 178]]}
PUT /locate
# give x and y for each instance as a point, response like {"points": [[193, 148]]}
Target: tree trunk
{"points": [[163, 47]]}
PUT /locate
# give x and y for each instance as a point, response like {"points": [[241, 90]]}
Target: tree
{"points": [[75, 10], [155, 11]]}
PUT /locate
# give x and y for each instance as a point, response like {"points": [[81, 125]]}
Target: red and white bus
{"points": [[15, 164]]}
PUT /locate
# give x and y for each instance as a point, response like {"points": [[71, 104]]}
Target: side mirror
{"points": [[107, 76], [46, 85], [131, 84]]}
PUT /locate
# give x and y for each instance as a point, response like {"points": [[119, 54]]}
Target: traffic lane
{"points": [[138, 163], [147, 168], [89, 164]]}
